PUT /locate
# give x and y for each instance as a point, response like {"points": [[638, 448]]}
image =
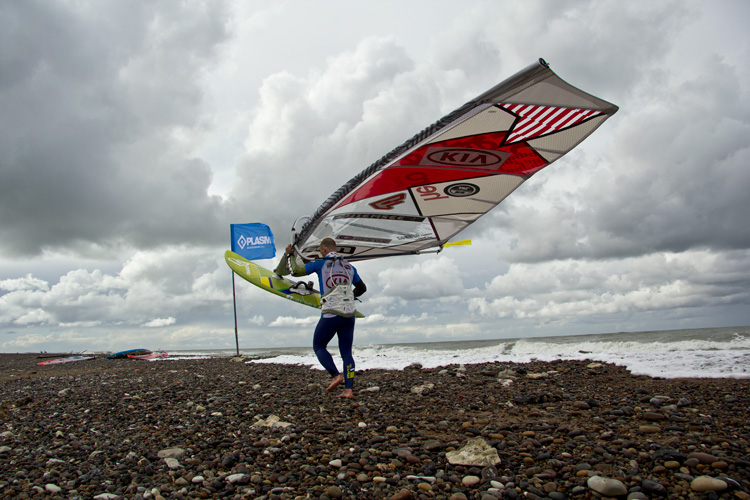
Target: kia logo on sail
{"points": [[462, 157]]}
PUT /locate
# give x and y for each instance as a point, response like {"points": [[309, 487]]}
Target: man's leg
{"points": [[346, 339], [324, 332]]}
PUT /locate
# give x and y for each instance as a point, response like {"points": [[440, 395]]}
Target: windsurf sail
{"points": [[430, 188]]}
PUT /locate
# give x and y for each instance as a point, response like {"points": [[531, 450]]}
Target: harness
{"points": [[339, 299]]}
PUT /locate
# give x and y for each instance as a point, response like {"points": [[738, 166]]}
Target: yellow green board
{"points": [[268, 281]]}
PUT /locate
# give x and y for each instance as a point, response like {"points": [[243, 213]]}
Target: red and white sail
{"points": [[423, 193]]}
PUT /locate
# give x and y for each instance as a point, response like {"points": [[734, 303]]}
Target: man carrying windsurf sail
{"points": [[339, 286]]}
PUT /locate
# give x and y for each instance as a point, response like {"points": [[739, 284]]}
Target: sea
{"points": [[697, 353]]}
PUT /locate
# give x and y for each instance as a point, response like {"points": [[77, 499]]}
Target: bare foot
{"points": [[346, 393], [337, 381]]}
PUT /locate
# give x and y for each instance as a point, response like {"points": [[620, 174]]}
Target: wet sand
{"points": [[218, 428]]}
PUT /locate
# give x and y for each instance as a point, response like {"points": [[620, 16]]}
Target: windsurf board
{"points": [[270, 282], [67, 359], [150, 355], [128, 353]]}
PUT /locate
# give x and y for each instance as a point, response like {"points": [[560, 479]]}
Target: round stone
{"points": [[707, 483], [470, 480], [334, 492], [607, 486]]}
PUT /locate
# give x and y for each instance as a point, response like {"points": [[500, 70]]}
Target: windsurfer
{"points": [[339, 285]]}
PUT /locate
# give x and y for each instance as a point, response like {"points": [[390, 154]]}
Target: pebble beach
{"points": [[225, 428]]}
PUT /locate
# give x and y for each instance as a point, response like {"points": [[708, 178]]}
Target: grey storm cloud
{"points": [[92, 101]]}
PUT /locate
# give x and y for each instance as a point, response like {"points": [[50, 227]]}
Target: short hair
{"points": [[329, 243]]}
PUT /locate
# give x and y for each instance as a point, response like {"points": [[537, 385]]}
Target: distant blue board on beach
{"points": [[129, 352]]}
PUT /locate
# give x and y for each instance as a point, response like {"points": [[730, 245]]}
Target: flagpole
{"points": [[253, 240], [234, 300]]}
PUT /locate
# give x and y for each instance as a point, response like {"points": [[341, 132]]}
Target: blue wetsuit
{"points": [[330, 324]]}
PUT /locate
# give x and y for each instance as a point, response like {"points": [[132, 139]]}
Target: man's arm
{"points": [[359, 288], [282, 269], [289, 260]]}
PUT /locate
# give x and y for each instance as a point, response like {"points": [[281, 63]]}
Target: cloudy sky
{"points": [[133, 133]]}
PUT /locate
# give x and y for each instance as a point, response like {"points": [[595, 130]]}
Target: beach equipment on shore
{"points": [[67, 359], [149, 355], [416, 198], [277, 285], [430, 188], [128, 353], [249, 241]]}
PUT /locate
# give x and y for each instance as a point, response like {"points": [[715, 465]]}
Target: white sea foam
{"points": [[396, 357], [726, 358], [690, 358]]}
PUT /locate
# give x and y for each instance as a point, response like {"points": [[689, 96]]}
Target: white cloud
{"points": [[257, 320], [294, 322], [33, 316], [80, 324], [566, 289], [159, 322], [178, 280], [431, 279], [28, 282]]}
